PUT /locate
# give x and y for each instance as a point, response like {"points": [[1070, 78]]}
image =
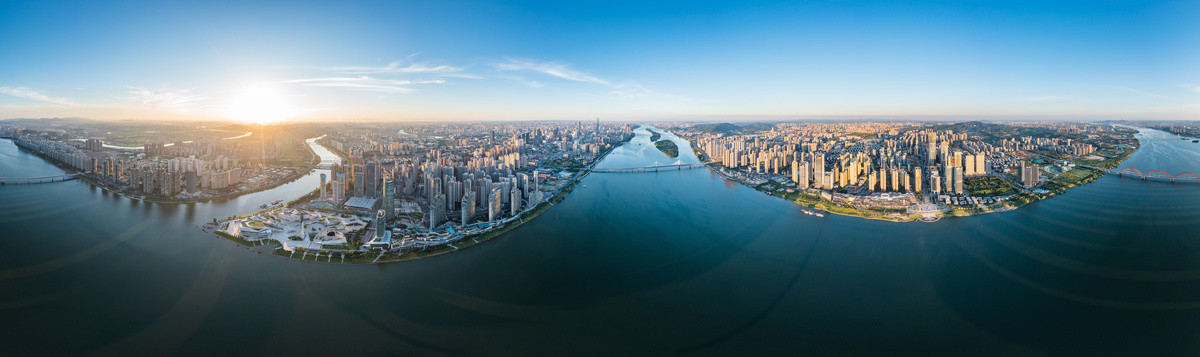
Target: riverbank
{"points": [[1059, 184], [124, 192], [361, 257], [371, 257]]}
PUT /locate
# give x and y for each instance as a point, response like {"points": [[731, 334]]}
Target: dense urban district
{"points": [[913, 171], [168, 162], [408, 190]]}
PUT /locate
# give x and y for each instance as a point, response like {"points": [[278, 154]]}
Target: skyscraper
{"points": [[872, 181], [916, 179], [495, 210], [358, 184], [515, 203], [931, 151], [437, 211], [323, 186], [802, 179], [969, 164], [819, 167], [389, 200], [371, 180], [468, 208], [191, 180], [958, 180]]}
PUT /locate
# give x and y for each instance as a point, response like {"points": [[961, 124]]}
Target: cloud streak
{"points": [[364, 83], [397, 67], [396, 77], [564, 71], [29, 93], [177, 100], [554, 69]]}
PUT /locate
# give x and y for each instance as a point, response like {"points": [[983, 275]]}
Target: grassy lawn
{"points": [[988, 186], [1072, 178], [228, 236]]}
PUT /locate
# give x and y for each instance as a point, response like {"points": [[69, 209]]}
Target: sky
{"points": [[573, 60]]}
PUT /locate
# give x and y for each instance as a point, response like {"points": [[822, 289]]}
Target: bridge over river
{"points": [[34, 180], [1156, 175], [655, 168]]}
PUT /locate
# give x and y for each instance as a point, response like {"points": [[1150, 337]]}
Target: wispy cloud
{"points": [[522, 80], [398, 67], [396, 77], [364, 83], [171, 99], [28, 93], [555, 69], [1137, 91], [564, 71]]}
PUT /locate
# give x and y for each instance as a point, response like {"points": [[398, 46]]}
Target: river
{"points": [[668, 262]]}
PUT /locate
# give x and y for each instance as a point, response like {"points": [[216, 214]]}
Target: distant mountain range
{"points": [[731, 129]]}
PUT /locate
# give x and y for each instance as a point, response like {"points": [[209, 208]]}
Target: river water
{"points": [[668, 262]]}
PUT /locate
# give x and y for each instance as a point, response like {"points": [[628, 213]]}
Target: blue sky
{"points": [[439, 60]]}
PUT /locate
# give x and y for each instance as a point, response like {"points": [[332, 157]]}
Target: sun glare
{"points": [[260, 104]]}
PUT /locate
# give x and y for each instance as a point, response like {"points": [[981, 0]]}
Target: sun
{"points": [[259, 104]]}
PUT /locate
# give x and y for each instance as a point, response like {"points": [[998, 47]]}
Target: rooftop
{"points": [[364, 203]]}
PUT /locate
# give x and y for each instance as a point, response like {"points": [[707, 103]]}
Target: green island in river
{"points": [[667, 147]]}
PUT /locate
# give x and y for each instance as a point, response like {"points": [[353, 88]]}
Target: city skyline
{"points": [[269, 62]]}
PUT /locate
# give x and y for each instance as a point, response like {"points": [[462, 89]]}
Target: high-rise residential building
{"points": [[468, 208], [818, 166], [191, 181], [948, 176], [931, 151], [495, 208], [437, 211], [944, 153], [935, 183], [969, 165], [916, 179], [796, 172], [980, 163], [895, 179], [515, 203], [872, 181], [958, 180], [802, 178], [1030, 174], [453, 193]]}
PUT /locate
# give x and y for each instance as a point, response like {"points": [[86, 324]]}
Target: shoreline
{"points": [[383, 258], [1090, 177], [316, 160]]}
